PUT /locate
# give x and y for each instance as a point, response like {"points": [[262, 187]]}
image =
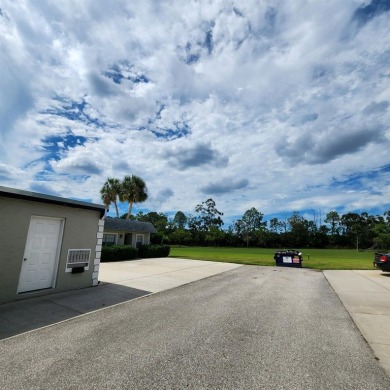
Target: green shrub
{"points": [[148, 251], [118, 253]]}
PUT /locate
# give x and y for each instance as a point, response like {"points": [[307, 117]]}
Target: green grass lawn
{"points": [[312, 258]]}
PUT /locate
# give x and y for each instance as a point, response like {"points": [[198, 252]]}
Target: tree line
{"points": [[205, 225]]}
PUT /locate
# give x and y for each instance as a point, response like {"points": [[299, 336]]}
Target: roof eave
{"points": [[43, 198]]}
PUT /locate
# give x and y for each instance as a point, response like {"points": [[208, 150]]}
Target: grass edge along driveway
{"points": [[322, 259]]}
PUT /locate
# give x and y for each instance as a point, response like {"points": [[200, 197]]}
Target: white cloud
{"points": [[272, 102]]}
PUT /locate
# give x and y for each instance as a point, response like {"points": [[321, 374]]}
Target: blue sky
{"points": [[279, 105]]}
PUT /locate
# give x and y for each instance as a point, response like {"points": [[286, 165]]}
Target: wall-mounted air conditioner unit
{"points": [[78, 260]]}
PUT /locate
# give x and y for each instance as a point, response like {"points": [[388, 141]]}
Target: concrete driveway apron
{"points": [[160, 274]]}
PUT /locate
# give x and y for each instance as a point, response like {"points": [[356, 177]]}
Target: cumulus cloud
{"points": [[225, 186], [309, 149], [100, 86], [197, 98], [77, 165], [165, 194], [195, 156], [9, 173], [44, 189], [376, 108]]}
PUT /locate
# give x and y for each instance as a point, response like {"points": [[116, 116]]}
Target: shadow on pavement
{"points": [[33, 313]]}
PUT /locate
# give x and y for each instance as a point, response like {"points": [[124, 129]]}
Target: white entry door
{"points": [[40, 256]]}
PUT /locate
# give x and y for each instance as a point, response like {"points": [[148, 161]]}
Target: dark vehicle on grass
{"points": [[382, 261]]}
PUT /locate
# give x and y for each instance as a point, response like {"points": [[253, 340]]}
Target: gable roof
{"points": [[7, 192], [127, 225]]}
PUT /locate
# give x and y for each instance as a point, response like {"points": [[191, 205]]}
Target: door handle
{"points": [[24, 259]]}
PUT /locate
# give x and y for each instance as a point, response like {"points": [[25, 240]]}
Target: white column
{"points": [[98, 252]]}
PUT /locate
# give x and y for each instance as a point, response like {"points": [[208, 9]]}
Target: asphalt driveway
{"points": [[119, 282], [248, 328]]}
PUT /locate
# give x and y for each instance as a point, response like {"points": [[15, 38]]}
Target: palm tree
{"points": [[110, 192], [133, 191]]}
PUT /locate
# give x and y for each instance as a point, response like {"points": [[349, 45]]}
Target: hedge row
{"points": [[154, 251], [128, 252], [118, 252]]}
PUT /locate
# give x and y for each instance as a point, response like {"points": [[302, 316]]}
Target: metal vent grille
{"points": [[78, 258]]}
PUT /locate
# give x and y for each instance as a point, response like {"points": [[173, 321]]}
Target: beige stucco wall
{"points": [[80, 232]]}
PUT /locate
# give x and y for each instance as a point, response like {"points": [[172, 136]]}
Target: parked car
{"points": [[382, 261]]}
